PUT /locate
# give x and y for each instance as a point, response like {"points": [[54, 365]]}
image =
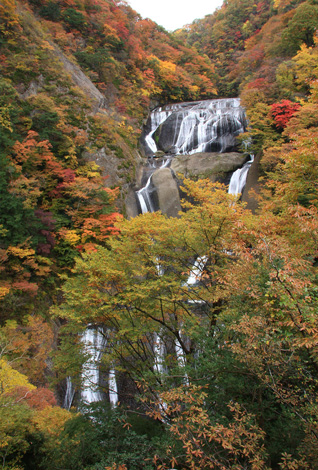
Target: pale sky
{"points": [[173, 14]]}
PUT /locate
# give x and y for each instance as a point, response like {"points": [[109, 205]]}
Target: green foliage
{"points": [[99, 437], [20, 222], [301, 28], [51, 11], [14, 433], [74, 18]]}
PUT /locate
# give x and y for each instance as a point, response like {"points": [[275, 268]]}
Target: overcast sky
{"points": [[173, 14]]}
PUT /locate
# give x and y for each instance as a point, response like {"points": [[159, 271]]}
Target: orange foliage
{"points": [[41, 398], [9, 19], [29, 346], [206, 444]]}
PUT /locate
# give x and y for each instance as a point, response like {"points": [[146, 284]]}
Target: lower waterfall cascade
{"points": [[69, 394], [95, 341]]}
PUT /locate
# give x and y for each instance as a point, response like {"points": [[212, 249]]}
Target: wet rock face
{"points": [[167, 133], [167, 191], [207, 165]]}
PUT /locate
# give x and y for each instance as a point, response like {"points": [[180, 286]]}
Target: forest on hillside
{"points": [[77, 81]]}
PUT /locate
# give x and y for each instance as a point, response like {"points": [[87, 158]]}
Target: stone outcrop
{"points": [[167, 191], [81, 80], [253, 185], [207, 165]]}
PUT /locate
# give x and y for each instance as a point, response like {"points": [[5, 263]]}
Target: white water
{"points": [[95, 342], [144, 199], [157, 117], [69, 394], [113, 391], [143, 195], [196, 271], [204, 125], [238, 179], [159, 350]]}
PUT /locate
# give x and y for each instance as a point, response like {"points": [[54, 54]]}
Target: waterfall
{"points": [[201, 126], [144, 194], [184, 128], [188, 128], [113, 391], [238, 178], [146, 205], [157, 117], [69, 394], [95, 341], [196, 270], [158, 354], [144, 199]]}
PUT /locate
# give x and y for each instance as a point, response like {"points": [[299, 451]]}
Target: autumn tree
{"points": [[239, 325], [301, 28], [283, 112]]}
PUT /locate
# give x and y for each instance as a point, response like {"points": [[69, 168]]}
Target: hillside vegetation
{"points": [[77, 80], [240, 392]]}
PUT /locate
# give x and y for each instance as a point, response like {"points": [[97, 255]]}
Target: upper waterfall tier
{"points": [[201, 126]]}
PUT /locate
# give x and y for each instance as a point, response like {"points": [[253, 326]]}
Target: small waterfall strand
{"points": [[69, 394], [239, 177]]}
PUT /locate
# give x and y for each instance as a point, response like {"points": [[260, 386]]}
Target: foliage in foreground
{"points": [[245, 331]]}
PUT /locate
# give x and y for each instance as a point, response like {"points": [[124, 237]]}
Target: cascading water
{"points": [[69, 394], [201, 126], [95, 341], [196, 271], [157, 117], [144, 194], [158, 354], [238, 179], [144, 198], [113, 391]]}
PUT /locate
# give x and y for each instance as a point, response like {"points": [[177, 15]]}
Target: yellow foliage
{"points": [[9, 19], [89, 170], [50, 421], [4, 290], [306, 64], [167, 67], [5, 120], [11, 378], [21, 252], [47, 46], [70, 236]]}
